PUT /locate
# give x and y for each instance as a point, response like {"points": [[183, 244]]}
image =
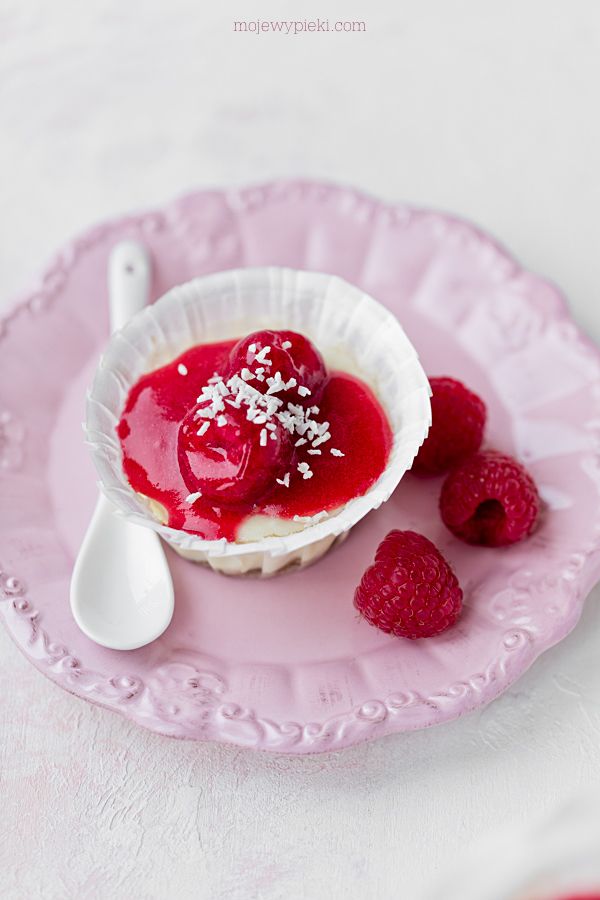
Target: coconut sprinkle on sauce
{"points": [[266, 410]]}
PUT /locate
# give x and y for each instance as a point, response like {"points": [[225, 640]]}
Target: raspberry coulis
{"points": [[150, 434]]}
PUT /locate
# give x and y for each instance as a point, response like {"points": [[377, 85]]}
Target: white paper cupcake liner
{"points": [[336, 316]]}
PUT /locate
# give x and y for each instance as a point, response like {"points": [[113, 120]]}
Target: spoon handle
{"points": [[129, 276]]}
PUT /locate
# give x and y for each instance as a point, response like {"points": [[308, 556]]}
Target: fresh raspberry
{"points": [[291, 355], [490, 499], [410, 590], [458, 420], [232, 460]]}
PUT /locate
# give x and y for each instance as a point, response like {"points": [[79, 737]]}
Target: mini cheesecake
{"points": [[254, 451]]}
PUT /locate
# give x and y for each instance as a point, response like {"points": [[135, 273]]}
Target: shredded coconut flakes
{"points": [[265, 410]]}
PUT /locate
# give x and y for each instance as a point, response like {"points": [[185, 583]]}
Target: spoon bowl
{"points": [[121, 588]]}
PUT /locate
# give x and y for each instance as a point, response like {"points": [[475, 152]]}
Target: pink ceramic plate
{"points": [[285, 664]]}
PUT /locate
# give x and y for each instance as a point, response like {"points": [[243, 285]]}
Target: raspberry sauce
{"points": [[154, 431]]}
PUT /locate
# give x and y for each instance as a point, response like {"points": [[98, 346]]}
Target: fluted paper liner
{"points": [[336, 316]]}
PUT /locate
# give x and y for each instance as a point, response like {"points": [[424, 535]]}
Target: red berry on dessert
{"points": [[282, 363], [458, 421], [410, 590], [491, 500], [227, 457]]}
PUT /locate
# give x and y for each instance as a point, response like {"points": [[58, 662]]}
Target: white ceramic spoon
{"points": [[121, 587]]}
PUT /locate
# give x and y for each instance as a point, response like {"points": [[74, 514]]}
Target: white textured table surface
{"points": [[489, 110]]}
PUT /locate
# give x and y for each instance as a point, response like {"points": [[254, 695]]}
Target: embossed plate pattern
{"points": [[285, 664]]}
